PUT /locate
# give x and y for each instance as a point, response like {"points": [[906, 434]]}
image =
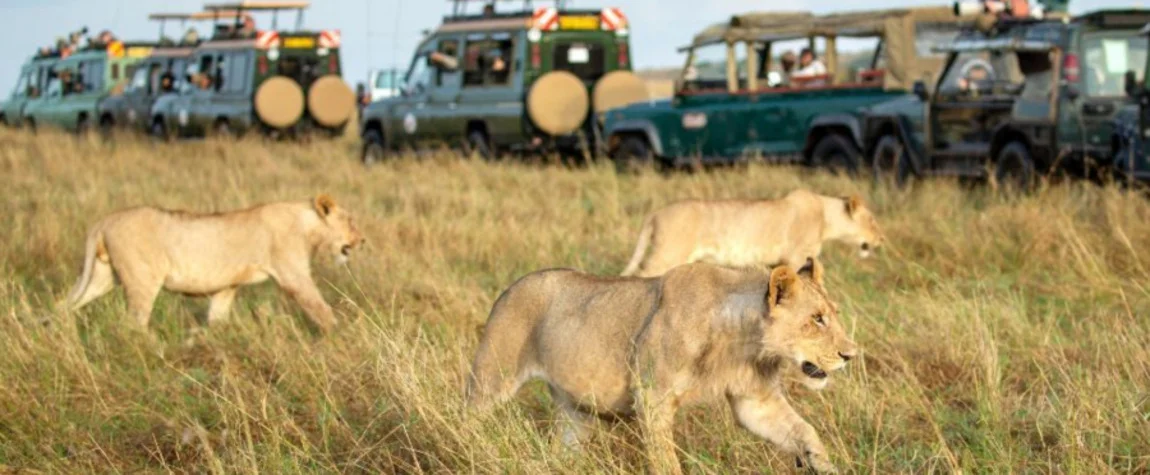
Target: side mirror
{"points": [[919, 89], [1131, 84]]}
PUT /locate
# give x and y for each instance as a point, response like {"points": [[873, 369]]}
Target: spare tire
{"points": [[279, 102], [330, 101], [618, 89], [558, 103]]}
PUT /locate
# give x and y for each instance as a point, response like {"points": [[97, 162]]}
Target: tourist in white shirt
{"points": [[809, 67]]}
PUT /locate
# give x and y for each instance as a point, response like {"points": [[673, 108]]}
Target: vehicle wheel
{"points": [[159, 131], [889, 165], [632, 154], [83, 128], [107, 128], [837, 154], [374, 150], [1014, 170], [479, 144], [31, 124]]}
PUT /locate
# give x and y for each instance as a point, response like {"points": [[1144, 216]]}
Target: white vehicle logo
{"points": [[409, 124]]}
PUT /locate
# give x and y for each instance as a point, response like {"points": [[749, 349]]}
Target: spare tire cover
{"points": [[618, 89], [330, 101], [279, 102], [558, 102]]}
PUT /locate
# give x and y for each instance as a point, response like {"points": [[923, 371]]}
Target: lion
{"points": [[741, 233], [149, 249], [643, 347]]}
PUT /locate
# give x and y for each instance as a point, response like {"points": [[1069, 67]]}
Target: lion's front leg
{"points": [[300, 286], [771, 417], [656, 411]]}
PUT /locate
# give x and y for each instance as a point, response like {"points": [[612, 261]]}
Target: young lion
{"points": [[648, 346], [215, 254], [741, 233]]}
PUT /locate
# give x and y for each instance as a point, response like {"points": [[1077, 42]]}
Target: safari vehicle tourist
{"points": [[523, 80], [160, 73], [81, 81], [725, 114], [272, 81], [1045, 90], [33, 81]]}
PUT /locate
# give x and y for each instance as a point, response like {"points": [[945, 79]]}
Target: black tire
{"points": [[374, 150], [1014, 168], [479, 144], [31, 124], [107, 129], [83, 127], [837, 154], [890, 163], [159, 131], [632, 154]]}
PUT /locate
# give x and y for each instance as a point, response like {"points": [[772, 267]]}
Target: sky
{"points": [[383, 33]]}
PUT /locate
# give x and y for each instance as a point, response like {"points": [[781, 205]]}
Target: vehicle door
{"points": [[1035, 110], [39, 110], [137, 95], [491, 79], [443, 117], [233, 88], [407, 123], [704, 104], [975, 95], [19, 96]]}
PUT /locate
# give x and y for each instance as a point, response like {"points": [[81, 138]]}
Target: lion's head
{"points": [[803, 324], [857, 226], [338, 233]]}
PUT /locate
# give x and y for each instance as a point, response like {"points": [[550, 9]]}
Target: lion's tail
{"points": [[645, 236], [96, 274]]}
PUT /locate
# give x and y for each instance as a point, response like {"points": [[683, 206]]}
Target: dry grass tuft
{"points": [[999, 335]]}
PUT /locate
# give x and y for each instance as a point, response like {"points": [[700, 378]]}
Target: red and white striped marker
{"points": [[612, 19], [546, 18], [267, 39], [329, 39]]}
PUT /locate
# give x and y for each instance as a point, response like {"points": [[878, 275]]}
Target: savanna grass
{"points": [[999, 335]]}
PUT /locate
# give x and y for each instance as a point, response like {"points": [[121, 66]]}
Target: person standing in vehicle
{"points": [[809, 65]]}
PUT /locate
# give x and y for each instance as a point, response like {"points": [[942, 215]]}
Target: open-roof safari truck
{"points": [[160, 73], [508, 77], [78, 83], [1021, 96], [35, 74], [736, 104], [278, 82]]}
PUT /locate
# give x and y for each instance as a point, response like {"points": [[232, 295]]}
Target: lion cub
{"points": [[150, 249], [649, 346], [741, 233]]}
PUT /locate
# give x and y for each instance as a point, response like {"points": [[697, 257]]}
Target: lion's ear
{"points": [[853, 204], [813, 270], [783, 284], [324, 204]]}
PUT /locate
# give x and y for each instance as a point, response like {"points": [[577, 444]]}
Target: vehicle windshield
{"points": [[980, 73], [583, 59], [707, 68], [385, 80], [1106, 58]]}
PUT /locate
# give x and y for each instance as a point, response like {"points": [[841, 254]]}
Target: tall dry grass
{"points": [[999, 335]]}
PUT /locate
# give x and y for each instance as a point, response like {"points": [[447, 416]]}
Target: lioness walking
{"points": [[649, 346], [150, 249], [743, 233]]}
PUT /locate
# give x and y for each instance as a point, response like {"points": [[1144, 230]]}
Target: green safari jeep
{"points": [[1022, 98], [81, 81], [276, 82], [33, 80], [731, 108], [523, 81]]}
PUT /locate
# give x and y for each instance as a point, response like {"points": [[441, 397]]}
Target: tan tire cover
{"points": [[618, 89], [330, 101], [279, 102], [558, 103]]}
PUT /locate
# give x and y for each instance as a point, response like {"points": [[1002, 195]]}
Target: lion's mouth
{"points": [[812, 370]]}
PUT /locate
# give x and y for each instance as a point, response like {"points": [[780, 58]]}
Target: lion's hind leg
{"points": [[575, 426], [99, 281]]}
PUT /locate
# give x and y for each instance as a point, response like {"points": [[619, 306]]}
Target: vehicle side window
{"points": [[419, 75], [94, 76], [217, 72], [54, 88], [21, 88], [1106, 58], [707, 68], [487, 62], [235, 72], [139, 80], [981, 73], [449, 49], [115, 71]]}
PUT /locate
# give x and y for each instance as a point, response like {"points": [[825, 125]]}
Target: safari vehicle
{"points": [[81, 81], [734, 108], [522, 80], [158, 74], [275, 82], [1020, 97], [1131, 125], [33, 80]]}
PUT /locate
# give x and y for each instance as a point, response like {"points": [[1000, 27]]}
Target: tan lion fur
{"points": [[148, 249], [741, 233], [647, 346]]}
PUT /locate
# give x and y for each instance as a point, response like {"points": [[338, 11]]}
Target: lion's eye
{"points": [[820, 321]]}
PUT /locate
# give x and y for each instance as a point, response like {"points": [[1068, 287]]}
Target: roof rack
{"points": [[459, 10], [262, 6], [184, 18]]}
